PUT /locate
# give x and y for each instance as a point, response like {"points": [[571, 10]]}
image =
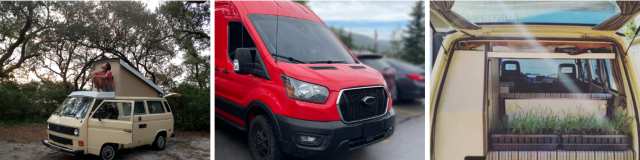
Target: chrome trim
{"points": [[346, 89], [67, 150], [64, 133]]}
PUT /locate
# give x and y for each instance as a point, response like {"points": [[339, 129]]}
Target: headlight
{"points": [[76, 132], [304, 91], [47, 126]]}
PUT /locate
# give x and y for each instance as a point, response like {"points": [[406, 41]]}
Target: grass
{"points": [[546, 121]]}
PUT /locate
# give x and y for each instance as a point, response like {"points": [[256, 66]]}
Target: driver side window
{"points": [[239, 37], [114, 110]]}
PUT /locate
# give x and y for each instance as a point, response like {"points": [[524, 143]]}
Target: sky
{"points": [[363, 17]]}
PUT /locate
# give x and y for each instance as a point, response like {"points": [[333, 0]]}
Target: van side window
{"points": [[239, 37], [155, 107], [138, 108], [595, 72], [612, 85], [167, 105], [114, 110]]}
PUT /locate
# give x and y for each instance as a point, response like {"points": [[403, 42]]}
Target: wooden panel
{"points": [[551, 55], [459, 124]]}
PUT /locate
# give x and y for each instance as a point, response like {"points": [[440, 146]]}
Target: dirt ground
{"points": [[25, 142]]}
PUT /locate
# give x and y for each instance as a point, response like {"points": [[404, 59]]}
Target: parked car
{"points": [[376, 61], [409, 79], [560, 69], [102, 123], [306, 95]]}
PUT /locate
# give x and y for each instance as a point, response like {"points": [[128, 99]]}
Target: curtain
{"points": [[457, 21], [628, 10]]}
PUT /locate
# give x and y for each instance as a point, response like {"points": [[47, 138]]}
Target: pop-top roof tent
{"points": [[127, 82]]}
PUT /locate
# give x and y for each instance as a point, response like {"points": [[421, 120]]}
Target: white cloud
{"points": [[362, 10]]}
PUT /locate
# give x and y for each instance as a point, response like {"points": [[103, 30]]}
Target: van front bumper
{"points": [[337, 137], [63, 149]]}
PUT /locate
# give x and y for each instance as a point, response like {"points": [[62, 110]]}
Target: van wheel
{"points": [[108, 152], [159, 143], [263, 141]]}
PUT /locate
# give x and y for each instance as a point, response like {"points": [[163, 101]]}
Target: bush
{"points": [[29, 102], [192, 110]]}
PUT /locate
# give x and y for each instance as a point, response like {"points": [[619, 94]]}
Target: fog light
{"points": [[308, 139], [80, 143]]}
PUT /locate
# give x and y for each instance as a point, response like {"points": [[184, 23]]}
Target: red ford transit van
{"points": [[286, 79]]}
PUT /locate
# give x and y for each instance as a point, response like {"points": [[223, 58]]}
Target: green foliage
{"points": [[347, 40], [414, 39], [29, 102], [631, 29], [304, 3], [548, 122], [191, 111]]}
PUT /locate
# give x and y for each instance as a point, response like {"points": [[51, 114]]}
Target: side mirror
{"points": [[243, 64]]}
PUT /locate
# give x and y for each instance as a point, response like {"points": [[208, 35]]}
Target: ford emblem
{"points": [[369, 100]]}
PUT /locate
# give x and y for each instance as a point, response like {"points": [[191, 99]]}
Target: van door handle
{"points": [[216, 68], [225, 71], [139, 118], [126, 130]]}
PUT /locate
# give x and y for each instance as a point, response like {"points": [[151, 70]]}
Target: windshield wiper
{"points": [[329, 62], [288, 58]]}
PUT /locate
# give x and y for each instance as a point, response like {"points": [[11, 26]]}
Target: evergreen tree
{"points": [[414, 41]]}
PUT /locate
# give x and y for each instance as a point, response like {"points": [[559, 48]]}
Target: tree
{"points": [[631, 29], [304, 3], [396, 42], [189, 25], [20, 23], [414, 41]]}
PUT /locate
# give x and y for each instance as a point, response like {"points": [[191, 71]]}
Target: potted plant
{"points": [[528, 131], [587, 133]]}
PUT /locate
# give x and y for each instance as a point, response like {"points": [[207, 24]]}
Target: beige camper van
{"points": [[535, 81], [101, 123]]}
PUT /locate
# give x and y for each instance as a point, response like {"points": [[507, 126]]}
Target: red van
{"points": [[286, 79]]}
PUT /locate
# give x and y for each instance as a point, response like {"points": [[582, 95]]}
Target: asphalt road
{"points": [[406, 143]]}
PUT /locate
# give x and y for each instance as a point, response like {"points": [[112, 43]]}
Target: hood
{"points": [[343, 76], [65, 121]]}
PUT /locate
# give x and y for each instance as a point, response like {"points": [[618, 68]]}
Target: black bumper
{"points": [[339, 137], [63, 149]]}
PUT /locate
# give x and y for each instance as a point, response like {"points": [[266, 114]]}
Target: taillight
{"points": [[416, 77]]}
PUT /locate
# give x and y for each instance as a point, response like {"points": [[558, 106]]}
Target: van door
{"points": [[232, 89], [158, 120], [110, 123], [141, 132]]}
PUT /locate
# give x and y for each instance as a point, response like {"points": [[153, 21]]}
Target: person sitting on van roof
{"points": [[103, 76]]}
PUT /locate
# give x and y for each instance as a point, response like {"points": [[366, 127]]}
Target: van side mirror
{"points": [[243, 64]]}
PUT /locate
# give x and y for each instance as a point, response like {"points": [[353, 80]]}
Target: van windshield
{"points": [[301, 40], [75, 107]]}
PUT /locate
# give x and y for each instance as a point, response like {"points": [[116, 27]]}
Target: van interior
{"points": [[533, 77]]}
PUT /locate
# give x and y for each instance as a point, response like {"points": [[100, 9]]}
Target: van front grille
{"points": [[61, 129], [352, 108], [60, 140]]}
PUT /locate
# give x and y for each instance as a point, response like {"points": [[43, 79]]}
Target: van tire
{"points": [[263, 140], [159, 143], [109, 152]]}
